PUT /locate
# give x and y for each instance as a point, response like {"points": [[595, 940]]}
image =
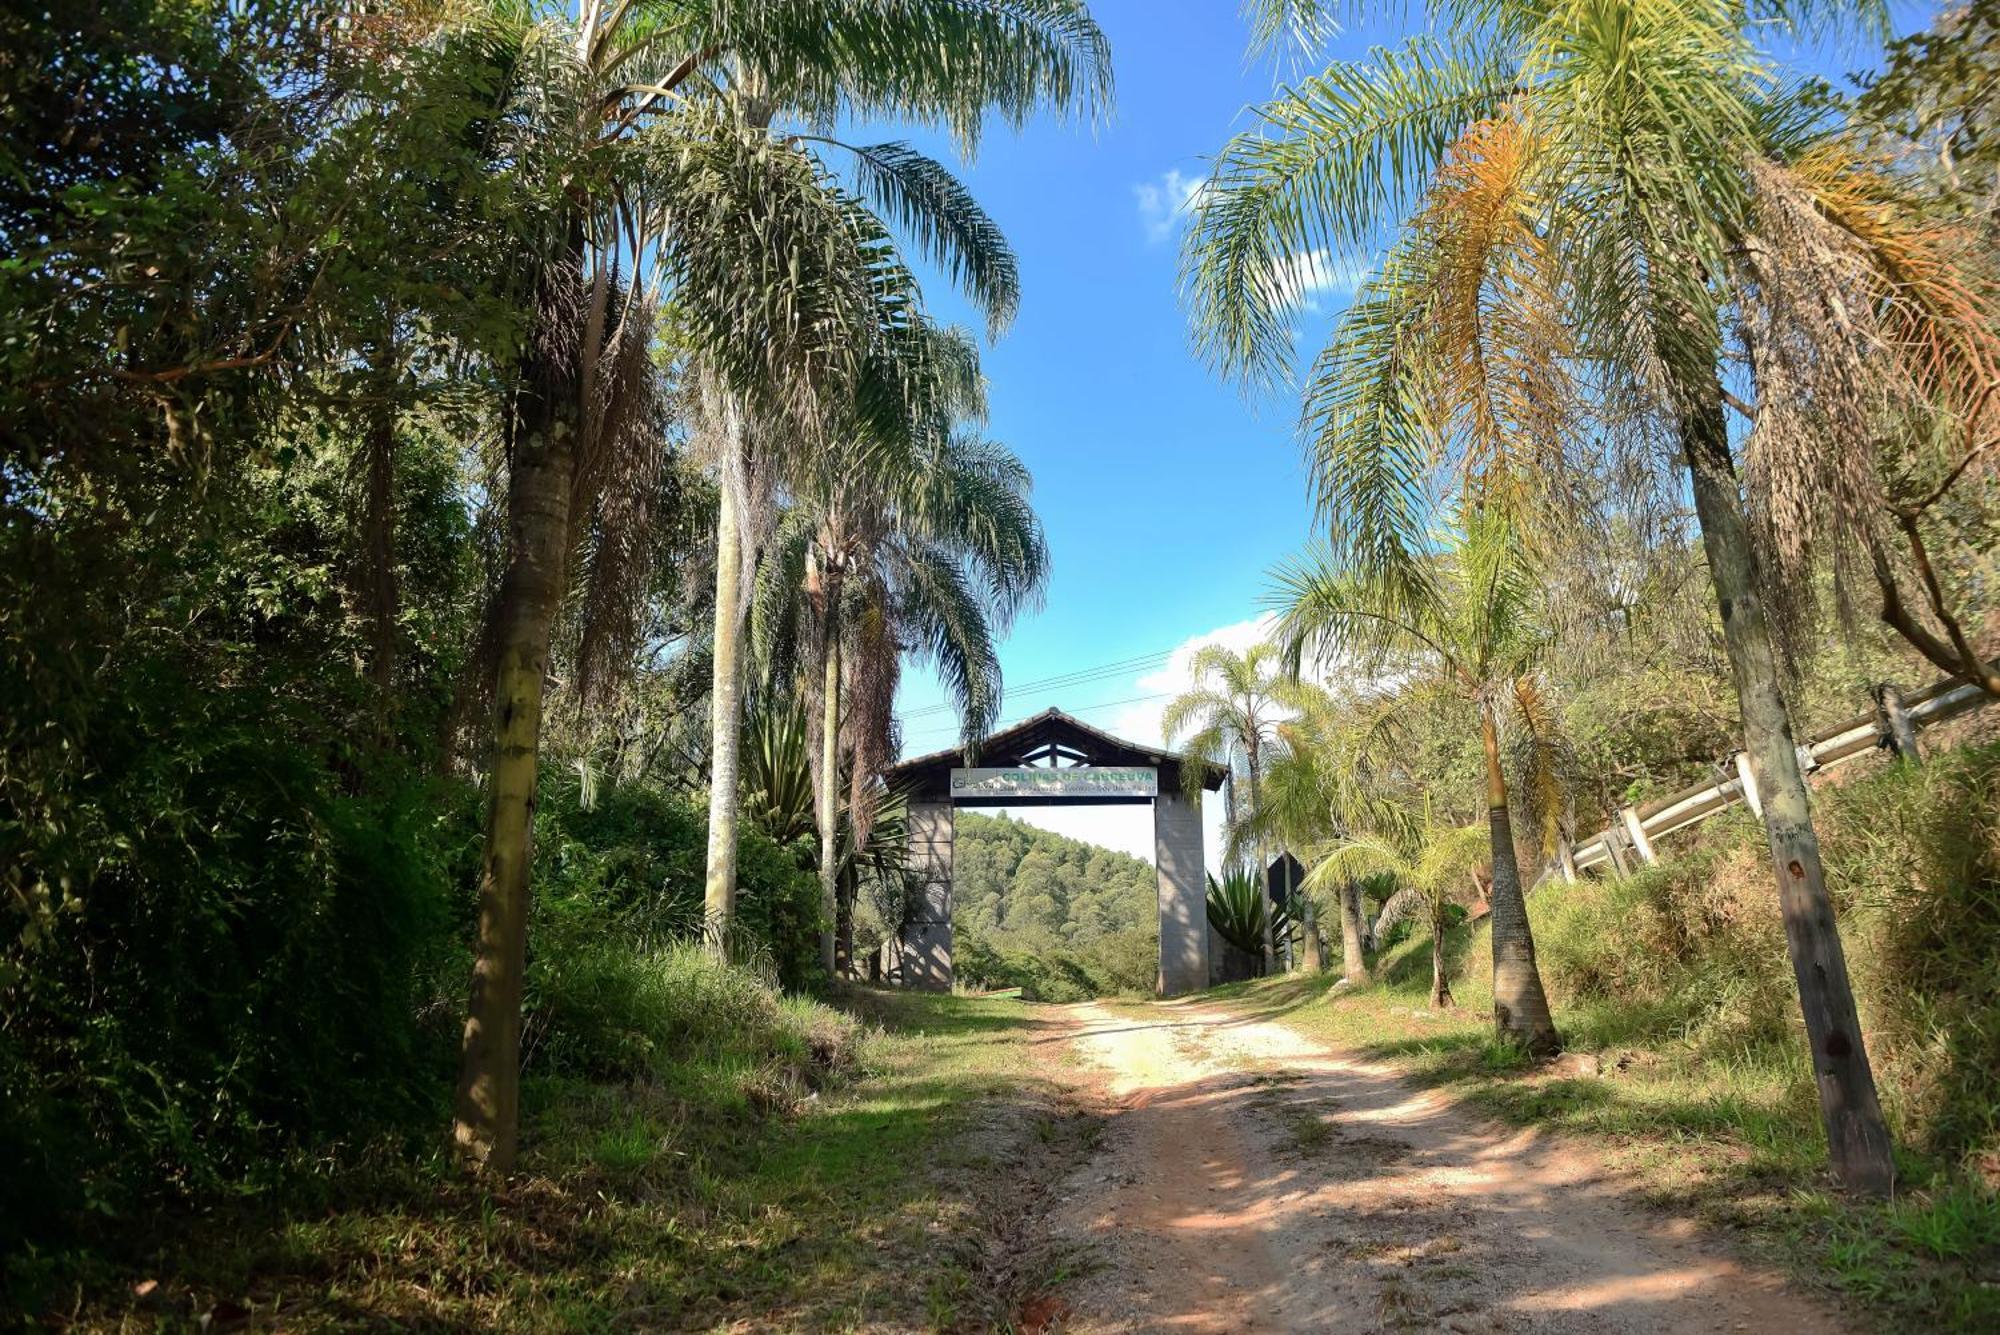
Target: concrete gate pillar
{"points": [[926, 943], [1177, 853]]}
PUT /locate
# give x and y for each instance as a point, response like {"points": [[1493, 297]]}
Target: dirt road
{"points": [[1253, 1181]]}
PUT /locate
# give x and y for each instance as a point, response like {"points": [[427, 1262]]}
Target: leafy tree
{"points": [[673, 190], [1590, 177], [1425, 857], [1039, 910], [1323, 786], [941, 62], [224, 684]]}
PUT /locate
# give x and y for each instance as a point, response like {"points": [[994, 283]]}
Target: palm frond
{"points": [[946, 63], [920, 195], [942, 613], [1334, 161], [1371, 446]]}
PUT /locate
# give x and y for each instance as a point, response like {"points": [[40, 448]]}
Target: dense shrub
{"points": [[231, 965], [630, 869], [1693, 951], [674, 1014], [1914, 857], [267, 958]]}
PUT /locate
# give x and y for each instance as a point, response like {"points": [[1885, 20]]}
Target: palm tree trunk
{"points": [[1257, 851], [1440, 984], [1520, 1006], [725, 717], [486, 1113], [843, 927], [1857, 1138], [829, 772], [1315, 962], [1353, 963]]}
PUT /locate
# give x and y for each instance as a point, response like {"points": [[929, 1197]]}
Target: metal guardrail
{"points": [[1894, 723]]}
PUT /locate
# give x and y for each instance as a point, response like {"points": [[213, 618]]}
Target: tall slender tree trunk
{"points": [[1353, 962], [1257, 851], [378, 525], [725, 708], [1315, 959], [843, 928], [829, 772], [486, 1113], [1520, 1006], [1440, 983], [1857, 1138]]}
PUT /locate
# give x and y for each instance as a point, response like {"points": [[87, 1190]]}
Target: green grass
{"points": [[895, 1195], [1728, 1131]]}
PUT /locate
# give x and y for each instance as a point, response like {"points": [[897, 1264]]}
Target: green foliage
{"points": [[629, 869], [1236, 908], [238, 978], [1060, 918], [617, 1011], [1692, 951]]}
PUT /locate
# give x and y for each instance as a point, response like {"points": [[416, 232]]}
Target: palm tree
{"points": [[1426, 857], [1324, 785], [909, 534], [1585, 180], [945, 62], [1466, 629], [1230, 711], [641, 131]]}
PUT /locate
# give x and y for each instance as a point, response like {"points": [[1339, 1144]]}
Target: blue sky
{"points": [[1166, 494]]}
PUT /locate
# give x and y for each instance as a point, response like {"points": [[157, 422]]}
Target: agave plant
{"points": [[777, 777], [1236, 910]]}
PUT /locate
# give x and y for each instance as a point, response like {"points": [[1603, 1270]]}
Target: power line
{"points": [[1081, 677], [1077, 677], [1080, 709]]}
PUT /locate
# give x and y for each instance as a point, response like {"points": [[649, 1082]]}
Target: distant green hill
{"points": [[1059, 917]]}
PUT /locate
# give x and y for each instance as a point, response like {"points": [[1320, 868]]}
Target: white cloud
{"points": [[1163, 203], [1320, 273], [1140, 721]]}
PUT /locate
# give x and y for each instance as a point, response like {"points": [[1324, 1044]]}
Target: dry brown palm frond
{"points": [[558, 312], [1496, 341], [614, 504], [868, 724], [1936, 308], [1546, 764], [1867, 326]]}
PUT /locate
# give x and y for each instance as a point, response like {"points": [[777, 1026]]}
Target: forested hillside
{"points": [[1057, 916]]}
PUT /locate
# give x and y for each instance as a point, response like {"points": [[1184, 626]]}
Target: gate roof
{"points": [[1050, 738]]}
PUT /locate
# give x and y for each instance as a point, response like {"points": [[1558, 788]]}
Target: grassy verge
{"points": [[869, 1170], [1732, 1137]]}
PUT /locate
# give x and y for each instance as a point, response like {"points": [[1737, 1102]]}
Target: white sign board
{"points": [[1084, 781]]}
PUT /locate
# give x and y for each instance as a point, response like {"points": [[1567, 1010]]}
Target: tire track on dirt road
{"points": [[1253, 1181]]}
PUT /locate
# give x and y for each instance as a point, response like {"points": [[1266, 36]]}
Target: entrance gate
{"points": [[1055, 760]]}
